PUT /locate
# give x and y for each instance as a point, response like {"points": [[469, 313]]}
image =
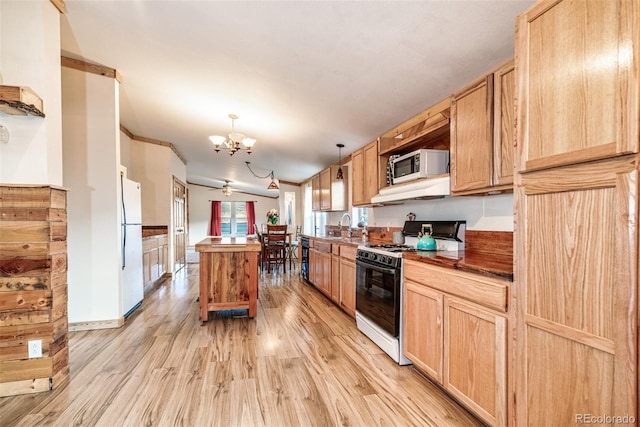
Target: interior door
{"points": [[179, 224]]}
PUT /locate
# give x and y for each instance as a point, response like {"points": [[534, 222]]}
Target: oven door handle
{"points": [[376, 267]]}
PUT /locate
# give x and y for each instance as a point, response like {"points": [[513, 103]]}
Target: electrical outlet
{"points": [[35, 348]]}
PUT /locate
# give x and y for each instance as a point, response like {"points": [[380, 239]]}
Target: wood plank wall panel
{"points": [[33, 288]]}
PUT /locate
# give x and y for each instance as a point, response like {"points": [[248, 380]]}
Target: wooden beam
{"points": [[297, 184], [126, 131], [159, 142], [59, 4], [100, 70]]}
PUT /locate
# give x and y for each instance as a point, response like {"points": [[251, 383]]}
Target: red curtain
{"points": [[215, 225], [251, 218]]}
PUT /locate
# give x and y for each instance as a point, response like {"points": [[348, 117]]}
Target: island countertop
{"points": [[228, 244]]}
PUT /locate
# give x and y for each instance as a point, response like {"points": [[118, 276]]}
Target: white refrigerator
{"points": [[131, 279]]}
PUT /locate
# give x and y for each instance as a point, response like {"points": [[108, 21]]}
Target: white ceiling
{"points": [[301, 75]]}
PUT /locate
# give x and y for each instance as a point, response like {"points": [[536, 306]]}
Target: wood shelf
{"points": [[20, 100], [429, 129]]}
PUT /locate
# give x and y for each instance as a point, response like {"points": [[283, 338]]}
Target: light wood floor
{"points": [[300, 362]]}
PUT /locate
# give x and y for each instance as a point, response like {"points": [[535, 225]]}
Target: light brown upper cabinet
{"points": [[325, 189], [504, 124], [578, 74], [331, 192], [472, 137], [315, 193], [365, 174], [482, 134]]}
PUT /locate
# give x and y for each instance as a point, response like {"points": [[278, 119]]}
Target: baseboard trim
{"points": [[14, 388], [96, 324]]}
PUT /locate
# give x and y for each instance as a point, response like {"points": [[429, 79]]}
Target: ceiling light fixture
{"points": [[234, 140], [273, 185], [340, 175], [226, 188]]}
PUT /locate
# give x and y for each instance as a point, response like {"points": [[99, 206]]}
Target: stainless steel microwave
{"points": [[419, 164]]}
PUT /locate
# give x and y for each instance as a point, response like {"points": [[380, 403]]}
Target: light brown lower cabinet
{"points": [[475, 354], [332, 269], [155, 258], [423, 333], [320, 266], [458, 342], [348, 284], [335, 275]]}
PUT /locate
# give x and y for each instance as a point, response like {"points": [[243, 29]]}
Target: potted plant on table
{"points": [[273, 216]]}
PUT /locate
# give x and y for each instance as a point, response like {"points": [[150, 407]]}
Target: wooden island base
{"points": [[228, 274]]}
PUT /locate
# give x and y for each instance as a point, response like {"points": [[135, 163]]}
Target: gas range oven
{"points": [[379, 297], [379, 284]]}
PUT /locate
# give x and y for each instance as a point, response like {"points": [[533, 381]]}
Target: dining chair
{"points": [[263, 245], [293, 248], [276, 246]]}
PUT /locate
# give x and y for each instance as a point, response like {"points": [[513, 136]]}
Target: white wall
{"points": [[125, 153], [91, 172], [494, 213], [30, 56], [151, 167], [200, 208]]}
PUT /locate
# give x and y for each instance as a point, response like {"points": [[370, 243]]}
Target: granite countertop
{"points": [[488, 264], [483, 263], [351, 241]]}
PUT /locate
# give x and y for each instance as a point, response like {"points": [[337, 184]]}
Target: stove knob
{"points": [[374, 257], [384, 259]]}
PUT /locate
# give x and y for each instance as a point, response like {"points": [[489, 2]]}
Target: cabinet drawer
{"points": [[149, 243], [482, 290], [335, 249], [322, 246], [348, 252]]}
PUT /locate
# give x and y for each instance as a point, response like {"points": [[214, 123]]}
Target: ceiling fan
{"points": [[226, 188]]}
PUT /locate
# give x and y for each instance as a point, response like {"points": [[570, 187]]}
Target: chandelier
{"points": [[235, 141], [226, 188], [273, 185]]}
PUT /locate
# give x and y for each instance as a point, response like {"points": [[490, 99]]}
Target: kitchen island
{"points": [[228, 274]]}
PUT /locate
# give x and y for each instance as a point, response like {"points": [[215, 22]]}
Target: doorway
{"points": [[179, 224]]}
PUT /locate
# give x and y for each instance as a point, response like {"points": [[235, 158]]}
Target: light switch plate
{"points": [[35, 348]]}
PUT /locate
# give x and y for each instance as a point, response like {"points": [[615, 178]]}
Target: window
{"points": [[234, 219], [360, 216]]}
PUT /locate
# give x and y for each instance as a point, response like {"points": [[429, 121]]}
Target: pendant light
{"points": [[339, 174]]}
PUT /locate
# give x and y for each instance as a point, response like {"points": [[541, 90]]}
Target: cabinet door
{"points": [[357, 177], [335, 278], [472, 136], [315, 193], [348, 286], [371, 177], [325, 189], [146, 267], [577, 291], [578, 82], [423, 333], [164, 259], [326, 273], [312, 266], [475, 346], [504, 124], [154, 256]]}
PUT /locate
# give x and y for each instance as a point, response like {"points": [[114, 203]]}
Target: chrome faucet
{"points": [[349, 232]]}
